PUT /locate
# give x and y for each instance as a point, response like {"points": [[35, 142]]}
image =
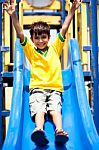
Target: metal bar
{"points": [[11, 45], [86, 1], [4, 48], [30, 13], [11, 35], [88, 14], [63, 15], [5, 113], [2, 1], [88, 34], [7, 74], [0, 76], [17, 1], [63, 11], [88, 48], [95, 62]]}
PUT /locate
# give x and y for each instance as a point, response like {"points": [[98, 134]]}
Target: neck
{"points": [[45, 49]]}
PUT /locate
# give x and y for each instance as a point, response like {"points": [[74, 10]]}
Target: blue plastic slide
{"points": [[77, 117]]}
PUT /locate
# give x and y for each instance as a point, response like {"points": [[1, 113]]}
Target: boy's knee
{"points": [[54, 112]]}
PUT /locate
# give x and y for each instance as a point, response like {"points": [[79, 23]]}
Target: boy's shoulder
{"points": [[61, 37], [27, 41]]}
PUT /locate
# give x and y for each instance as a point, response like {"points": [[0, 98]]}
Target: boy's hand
{"points": [[10, 9], [76, 4]]}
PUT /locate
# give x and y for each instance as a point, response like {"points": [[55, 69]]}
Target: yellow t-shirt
{"points": [[45, 70]]}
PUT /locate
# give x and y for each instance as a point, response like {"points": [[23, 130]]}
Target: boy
{"points": [[46, 79]]}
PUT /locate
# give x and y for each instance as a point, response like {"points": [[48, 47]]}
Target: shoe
{"points": [[61, 137], [39, 138]]}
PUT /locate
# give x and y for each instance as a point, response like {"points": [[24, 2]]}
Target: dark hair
{"points": [[39, 28]]}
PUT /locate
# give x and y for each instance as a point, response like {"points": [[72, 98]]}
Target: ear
{"points": [[49, 37]]}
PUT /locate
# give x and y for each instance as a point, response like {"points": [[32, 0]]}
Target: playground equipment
{"points": [[95, 72], [94, 53], [77, 118], [94, 61]]}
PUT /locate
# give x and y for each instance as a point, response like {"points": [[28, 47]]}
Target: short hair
{"points": [[39, 28]]}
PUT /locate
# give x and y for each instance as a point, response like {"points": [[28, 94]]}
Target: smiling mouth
{"points": [[41, 45]]}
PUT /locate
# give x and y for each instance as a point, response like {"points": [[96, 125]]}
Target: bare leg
{"points": [[39, 120], [57, 119], [61, 137], [38, 136]]}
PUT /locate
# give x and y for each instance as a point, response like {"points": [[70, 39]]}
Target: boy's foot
{"points": [[39, 138], [61, 137]]}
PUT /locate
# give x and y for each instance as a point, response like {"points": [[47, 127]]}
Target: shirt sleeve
{"points": [[28, 49], [58, 44]]}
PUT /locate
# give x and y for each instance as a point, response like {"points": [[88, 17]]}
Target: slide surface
{"points": [[77, 118]]}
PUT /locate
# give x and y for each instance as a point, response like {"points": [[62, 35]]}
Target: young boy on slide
{"points": [[46, 85]]}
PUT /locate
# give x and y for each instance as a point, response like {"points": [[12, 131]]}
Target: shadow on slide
{"points": [[77, 118]]}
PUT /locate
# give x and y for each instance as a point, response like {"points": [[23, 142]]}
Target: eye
{"points": [[36, 37], [44, 37]]}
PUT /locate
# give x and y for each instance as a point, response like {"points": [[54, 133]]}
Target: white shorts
{"points": [[44, 101]]}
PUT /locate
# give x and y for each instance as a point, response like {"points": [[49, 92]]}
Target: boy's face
{"points": [[40, 41]]}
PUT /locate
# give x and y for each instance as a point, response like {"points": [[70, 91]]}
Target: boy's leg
{"points": [[57, 119], [54, 108], [37, 106], [61, 137], [38, 136], [39, 120]]}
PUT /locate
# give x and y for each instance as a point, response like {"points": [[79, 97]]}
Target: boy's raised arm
{"points": [[10, 9], [65, 26]]}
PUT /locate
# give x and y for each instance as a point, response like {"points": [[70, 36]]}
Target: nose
{"points": [[40, 40]]}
